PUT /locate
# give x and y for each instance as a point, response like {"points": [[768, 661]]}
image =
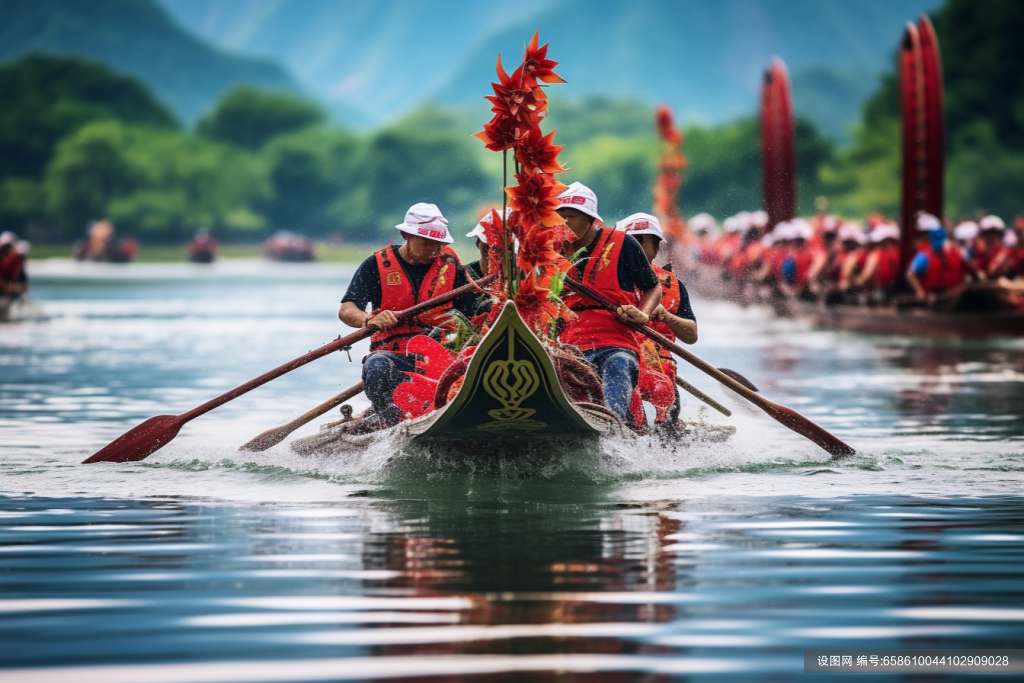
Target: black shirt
{"points": [[365, 285], [635, 273], [684, 310]]}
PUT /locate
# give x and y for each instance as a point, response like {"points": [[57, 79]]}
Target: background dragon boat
{"points": [[984, 310]]}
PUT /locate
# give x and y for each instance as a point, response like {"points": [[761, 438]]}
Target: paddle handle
{"points": [[331, 347], [785, 416]]}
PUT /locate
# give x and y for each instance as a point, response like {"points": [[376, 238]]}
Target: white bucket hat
{"points": [[926, 221], [703, 221], [7, 237], [967, 230], [641, 224], [782, 231], [992, 223], [884, 231], [851, 232], [759, 219], [580, 197], [425, 220], [480, 231], [801, 229]]}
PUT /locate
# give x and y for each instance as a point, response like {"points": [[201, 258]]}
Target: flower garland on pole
{"points": [[533, 278], [669, 180]]}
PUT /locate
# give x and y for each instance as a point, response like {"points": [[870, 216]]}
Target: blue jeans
{"points": [[383, 371], [619, 371]]}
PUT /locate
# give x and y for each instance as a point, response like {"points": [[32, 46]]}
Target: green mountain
{"points": [[384, 57], [135, 37]]}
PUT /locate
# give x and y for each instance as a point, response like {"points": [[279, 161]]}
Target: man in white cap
{"points": [[393, 279], [989, 256], [13, 279], [673, 316], [881, 272], [480, 268], [937, 269], [614, 264]]}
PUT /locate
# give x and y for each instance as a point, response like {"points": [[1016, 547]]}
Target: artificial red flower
{"points": [[536, 199], [663, 122], [536, 151], [536, 65], [500, 133]]}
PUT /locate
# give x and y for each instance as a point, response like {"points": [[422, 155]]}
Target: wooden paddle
{"points": [[698, 394], [272, 437], [785, 416], [144, 440]]}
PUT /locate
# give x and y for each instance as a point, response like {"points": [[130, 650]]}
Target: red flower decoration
{"points": [[536, 151], [536, 65], [536, 199]]}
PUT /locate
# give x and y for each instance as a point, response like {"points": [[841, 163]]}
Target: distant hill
{"points": [[135, 37], [383, 57]]}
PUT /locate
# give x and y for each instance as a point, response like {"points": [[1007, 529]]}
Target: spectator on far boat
{"points": [[614, 264], [881, 271], [936, 272], [396, 278], [13, 278]]}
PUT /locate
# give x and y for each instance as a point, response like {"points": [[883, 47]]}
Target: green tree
{"points": [[249, 118], [310, 172], [47, 98]]}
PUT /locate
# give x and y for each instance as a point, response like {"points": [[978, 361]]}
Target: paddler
{"points": [[995, 257], [392, 279], [13, 279], [614, 264], [881, 272], [936, 272], [480, 268], [673, 316]]}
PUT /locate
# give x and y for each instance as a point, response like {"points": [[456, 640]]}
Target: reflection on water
{"points": [[646, 561], [492, 579]]}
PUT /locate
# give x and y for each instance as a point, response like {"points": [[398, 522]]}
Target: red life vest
{"points": [[396, 293], [670, 296], [945, 268], [595, 327], [11, 266], [803, 258], [888, 271]]}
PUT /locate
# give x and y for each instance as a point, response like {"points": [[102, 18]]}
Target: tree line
{"points": [[79, 142]]}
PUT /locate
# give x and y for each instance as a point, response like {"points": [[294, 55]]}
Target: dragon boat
{"points": [[511, 400]]}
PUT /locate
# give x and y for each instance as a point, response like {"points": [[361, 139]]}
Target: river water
{"points": [[642, 561]]}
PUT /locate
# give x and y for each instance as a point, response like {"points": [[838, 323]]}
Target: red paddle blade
{"points": [[804, 427], [141, 442]]}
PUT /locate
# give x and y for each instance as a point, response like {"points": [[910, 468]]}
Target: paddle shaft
{"points": [[700, 395], [274, 436], [331, 347], [785, 416], [145, 439]]}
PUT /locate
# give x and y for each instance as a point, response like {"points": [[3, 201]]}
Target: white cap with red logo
{"points": [[425, 220], [992, 223], [480, 231], [641, 224], [580, 197]]}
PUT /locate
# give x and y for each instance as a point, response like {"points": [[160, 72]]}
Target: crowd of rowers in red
{"points": [[825, 259], [616, 261]]}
